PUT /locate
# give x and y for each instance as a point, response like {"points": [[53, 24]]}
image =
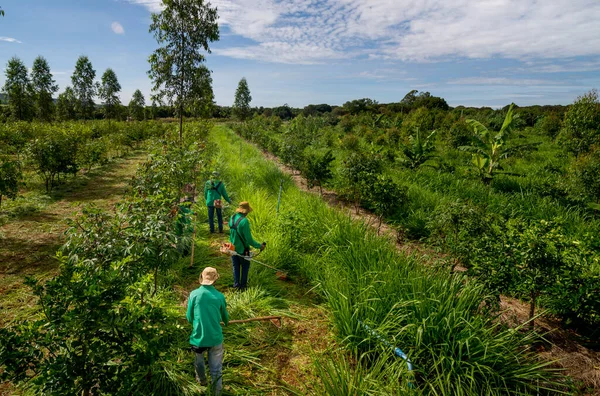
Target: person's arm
{"points": [[190, 310], [247, 235], [224, 313], [224, 193], [205, 191]]}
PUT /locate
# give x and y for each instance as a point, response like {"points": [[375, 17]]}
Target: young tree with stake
{"points": [[181, 29], [109, 93], [44, 87]]}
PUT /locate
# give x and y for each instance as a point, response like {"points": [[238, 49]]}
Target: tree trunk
{"points": [[155, 281], [181, 97], [532, 309]]}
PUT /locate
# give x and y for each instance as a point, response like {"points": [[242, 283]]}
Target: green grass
{"points": [[437, 319]]}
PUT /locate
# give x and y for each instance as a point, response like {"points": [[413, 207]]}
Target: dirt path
{"points": [[580, 363], [28, 243]]}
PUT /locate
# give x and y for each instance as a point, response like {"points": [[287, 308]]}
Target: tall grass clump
{"points": [[439, 320]]}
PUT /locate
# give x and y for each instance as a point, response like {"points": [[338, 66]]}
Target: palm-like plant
{"points": [[419, 150], [489, 149]]}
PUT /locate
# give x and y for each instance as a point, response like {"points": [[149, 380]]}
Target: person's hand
{"points": [[263, 246]]}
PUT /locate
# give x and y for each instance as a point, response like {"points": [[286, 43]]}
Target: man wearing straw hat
{"points": [[206, 310], [214, 190], [241, 238]]}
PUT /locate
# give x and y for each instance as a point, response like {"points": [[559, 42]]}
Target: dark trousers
{"points": [[239, 263], [211, 218]]}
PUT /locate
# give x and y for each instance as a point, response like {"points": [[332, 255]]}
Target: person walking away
{"points": [[184, 227], [241, 238], [206, 310], [214, 190]]}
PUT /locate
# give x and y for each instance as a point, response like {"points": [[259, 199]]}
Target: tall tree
{"points": [[84, 87], [66, 105], [44, 87], [17, 87], [241, 105], [109, 93], [202, 93], [182, 29], [136, 106]]}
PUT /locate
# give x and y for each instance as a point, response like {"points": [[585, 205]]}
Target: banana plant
{"points": [[419, 150], [489, 148]]}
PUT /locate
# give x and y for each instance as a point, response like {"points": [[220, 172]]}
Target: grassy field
{"points": [[340, 272]]}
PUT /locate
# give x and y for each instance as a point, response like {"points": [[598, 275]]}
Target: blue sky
{"points": [[471, 52]]}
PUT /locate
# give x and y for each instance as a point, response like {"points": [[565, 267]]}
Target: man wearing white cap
{"points": [[206, 310]]}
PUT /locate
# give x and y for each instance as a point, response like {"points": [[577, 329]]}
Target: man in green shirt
{"points": [[206, 310], [214, 190], [241, 238]]}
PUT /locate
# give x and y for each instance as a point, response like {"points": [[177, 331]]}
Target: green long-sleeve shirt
{"points": [[242, 234], [206, 310], [215, 189]]}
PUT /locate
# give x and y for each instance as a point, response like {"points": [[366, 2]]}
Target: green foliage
{"points": [[53, 153], [490, 148], [10, 177], [581, 127], [84, 87], [317, 168], [18, 89], [419, 150], [550, 125], [181, 29], [385, 197], [241, 103], [587, 171], [136, 106], [109, 93], [44, 87], [66, 105], [105, 324]]}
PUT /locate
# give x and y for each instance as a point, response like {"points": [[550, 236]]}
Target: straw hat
{"points": [[244, 208], [209, 276], [215, 174]]}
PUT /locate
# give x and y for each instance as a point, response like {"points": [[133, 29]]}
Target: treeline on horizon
{"points": [[30, 95]]}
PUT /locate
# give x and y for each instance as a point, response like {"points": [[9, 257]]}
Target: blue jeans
{"points": [[211, 218], [237, 262], [215, 366]]}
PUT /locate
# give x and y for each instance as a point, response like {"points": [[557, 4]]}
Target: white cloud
{"points": [[117, 28], [152, 5], [501, 81], [10, 40], [409, 30]]}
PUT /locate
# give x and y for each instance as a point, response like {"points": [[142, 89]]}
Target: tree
{"points": [[17, 87], [44, 87], [202, 93], [1, 11], [385, 197], [108, 92], [241, 105], [10, 175], [317, 169], [181, 29], [66, 105], [84, 87], [419, 150], [136, 106], [489, 149], [581, 128]]}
